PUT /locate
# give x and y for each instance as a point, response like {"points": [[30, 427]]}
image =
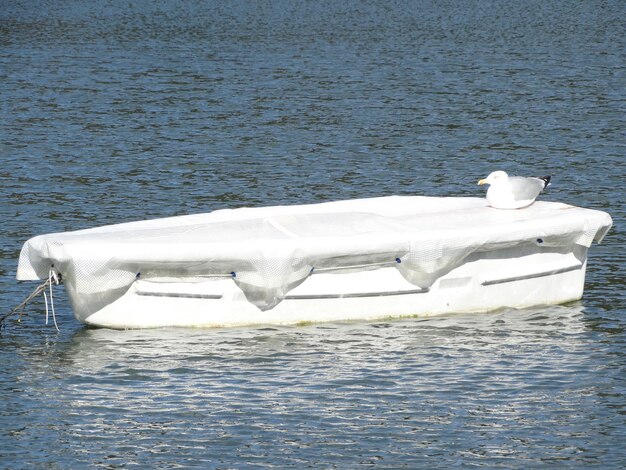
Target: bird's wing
{"points": [[525, 188]]}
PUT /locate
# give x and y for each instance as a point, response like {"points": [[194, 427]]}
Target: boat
{"points": [[361, 259]]}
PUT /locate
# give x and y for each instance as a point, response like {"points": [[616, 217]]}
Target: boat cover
{"points": [[270, 250]]}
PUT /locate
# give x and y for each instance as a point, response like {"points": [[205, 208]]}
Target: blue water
{"points": [[117, 111]]}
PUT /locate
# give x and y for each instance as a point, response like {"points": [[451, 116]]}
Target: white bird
{"points": [[513, 192]]}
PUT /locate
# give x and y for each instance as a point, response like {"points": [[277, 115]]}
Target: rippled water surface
{"points": [[117, 111]]}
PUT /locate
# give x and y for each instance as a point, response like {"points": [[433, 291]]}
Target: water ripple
{"points": [[124, 111]]}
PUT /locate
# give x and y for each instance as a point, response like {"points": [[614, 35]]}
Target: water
{"points": [[120, 111]]}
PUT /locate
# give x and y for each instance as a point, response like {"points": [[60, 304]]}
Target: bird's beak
{"points": [[481, 182]]}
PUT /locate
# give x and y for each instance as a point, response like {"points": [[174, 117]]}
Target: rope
{"points": [[53, 277], [41, 289]]}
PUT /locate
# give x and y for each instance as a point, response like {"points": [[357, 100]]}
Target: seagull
{"points": [[513, 192]]}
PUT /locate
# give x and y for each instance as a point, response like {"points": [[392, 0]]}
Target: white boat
{"points": [[375, 258]]}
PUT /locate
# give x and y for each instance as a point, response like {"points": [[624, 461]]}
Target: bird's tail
{"points": [[546, 180]]}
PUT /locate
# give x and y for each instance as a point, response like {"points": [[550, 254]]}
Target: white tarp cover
{"points": [[269, 251]]}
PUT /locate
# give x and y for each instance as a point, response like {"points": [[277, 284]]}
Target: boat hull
{"points": [[359, 259], [516, 277]]}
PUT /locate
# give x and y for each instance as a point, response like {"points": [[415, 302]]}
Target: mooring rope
{"points": [[41, 289], [52, 279]]}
